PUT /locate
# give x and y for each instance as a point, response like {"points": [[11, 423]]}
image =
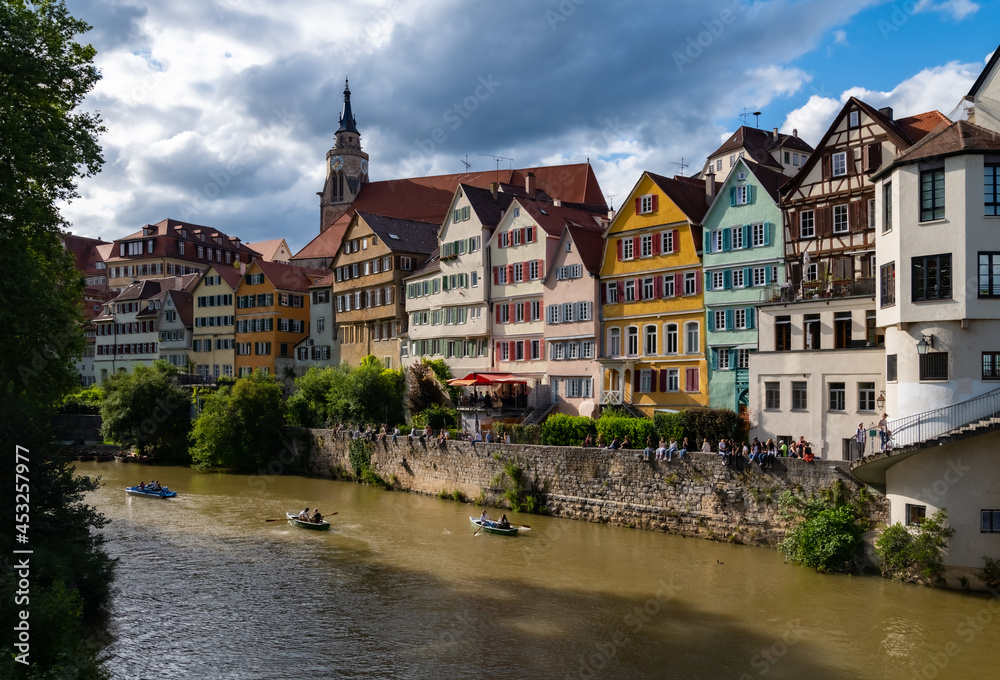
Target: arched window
{"points": [[670, 338], [649, 340], [692, 341], [632, 341], [615, 342]]}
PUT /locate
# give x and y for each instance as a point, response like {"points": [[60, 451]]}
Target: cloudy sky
{"points": [[220, 112]]}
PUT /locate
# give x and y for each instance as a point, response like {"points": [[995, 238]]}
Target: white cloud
{"points": [[840, 37], [958, 9], [939, 88]]}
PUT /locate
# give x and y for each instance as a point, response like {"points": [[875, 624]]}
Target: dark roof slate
{"points": [[399, 235]]}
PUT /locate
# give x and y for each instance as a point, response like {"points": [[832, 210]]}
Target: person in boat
{"points": [[484, 518], [141, 486], [503, 523], [316, 517], [304, 515]]}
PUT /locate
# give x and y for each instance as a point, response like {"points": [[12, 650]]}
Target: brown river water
{"points": [[401, 588]]}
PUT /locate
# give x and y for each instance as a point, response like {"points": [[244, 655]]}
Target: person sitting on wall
{"points": [[671, 450], [626, 444], [684, 448], [615, 444], [649, 448], [706, 446], [600, 440], [587, 441], [807, 453]]}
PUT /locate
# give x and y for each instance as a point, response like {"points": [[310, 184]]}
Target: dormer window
{"points": [[645, 204], [854, 119]]}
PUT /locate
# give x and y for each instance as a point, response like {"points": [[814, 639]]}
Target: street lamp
{"points": [[925, 345], [880, 402]]}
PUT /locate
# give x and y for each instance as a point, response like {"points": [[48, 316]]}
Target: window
{"points": [[807, 224], [320, 324], [626, 244], [645, 380], [722, 359], [932, 195], [989, 522], [645, 245], [739, 318], [931, 277], [839, 164], [991, 189], [887, 207], [837, 396], [670, 339], [536, 352], [691, 380], [799, 400], [890, 368], [615, 342], [738, 280], [991, 365], [934, 366], [630, 290], [871, 213], [668, 285], [887, 284], [842, 330], [741, 195], [667, 240], [518, 272], [718, 241], [736, 237], [759, 235], [649, 340], [718, 280], [783, 333], [646, 204], [690, 283], [813, 328], [647, 288], [760, 276], [840, 225], [742, 358], [632, 341], [719, 319], [989, 275], [692, 342], [405, 263], [772, 395], [915, 514], [854, 119], [866, 396]]}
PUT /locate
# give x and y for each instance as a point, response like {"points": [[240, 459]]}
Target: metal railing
{"points": [[930, 425], [808, 290]]}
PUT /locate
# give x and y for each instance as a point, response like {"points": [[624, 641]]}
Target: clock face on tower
{"points": [[364, 167], [337, 162]]}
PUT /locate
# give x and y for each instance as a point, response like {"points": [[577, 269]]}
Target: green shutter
{"points": [[710, 320], [732, 196], [749, 313], [746, 235], [727, 279], [750, 193], [767, 233], [727, 240], [729, 319], [713, 355]]}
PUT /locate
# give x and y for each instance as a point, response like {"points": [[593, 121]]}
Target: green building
{"points": [[743, 255]]}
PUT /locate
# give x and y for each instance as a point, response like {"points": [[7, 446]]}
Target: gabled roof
{"points": [[759, 144], [406, 236], [948, 140], [431, 266], [770, 180], [172, 228], [428, 199], [553, 218], [590, 245], [985, 74], [489, 210], [268, 249], [86, 251], [231, 275], [919, 126], [289, 276], [183, 304], [325, 282], [148, 288], [688, 195]]}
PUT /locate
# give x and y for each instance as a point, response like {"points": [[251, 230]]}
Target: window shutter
{"points": [[541, 349], [638, 206], [825, 162], [746, 235], [510, 312], [541, 269], [604, 295], [727, 240], [727, 279], [619, 245], [656, 243], [732, 196], [635, 247], [658, 287], [635, 379], [444, 283], [510, 350], [510, 273], [732, 358], [729, 320], [496, 275], [678, 284], [523, 235], [767, 276], [749, 313], [656, 202], [652, 379], [747, 277], [677, 240], [708, 241], [638, 289], [708, 280], [751, 190], [663, 380], [497, 355], [767, 233], [497, 313], [712, 358], [710, 320], [855, 212], [793, 224], [697, 284], [621, 291]]}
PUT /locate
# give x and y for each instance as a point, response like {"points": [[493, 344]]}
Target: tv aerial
{"points": [[683, 166], [498, 159], [465, 162]]}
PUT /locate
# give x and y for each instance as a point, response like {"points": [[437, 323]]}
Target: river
{"points": [[401, 588]]}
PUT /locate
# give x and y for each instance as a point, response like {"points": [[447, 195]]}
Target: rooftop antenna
{"points": [[498, 159], [744, 114], [683, 166], [611, 200], [756, 116], [465, 162]]}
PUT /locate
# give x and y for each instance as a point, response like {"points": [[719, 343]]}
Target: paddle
{"points": [[285, 519], [522, 527]]}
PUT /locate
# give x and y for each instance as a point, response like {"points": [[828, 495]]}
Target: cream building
{"points": [[213, 347]]}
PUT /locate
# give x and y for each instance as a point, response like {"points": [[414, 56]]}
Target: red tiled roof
{"points": [[170, 228], [230, 274], [290, 276], [428, 199], [85, 251], [917, 127], [184, 304], [590, 245], [325, 282], [947, 140], [554, 218]]}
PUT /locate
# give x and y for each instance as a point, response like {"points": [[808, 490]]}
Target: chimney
{"points": [[775, 133], [886, 111], [709, 187], [493, 189], [556, 202], [611, 215], [529, 184], [795, 133]]}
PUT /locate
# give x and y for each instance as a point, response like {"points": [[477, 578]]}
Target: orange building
{"points": [[272, 313]]}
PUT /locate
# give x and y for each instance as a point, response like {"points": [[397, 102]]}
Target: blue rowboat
{"points": [[162, 493]]}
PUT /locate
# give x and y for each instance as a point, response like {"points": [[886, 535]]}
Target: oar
{"points": [[285, 519], [523, 527]]}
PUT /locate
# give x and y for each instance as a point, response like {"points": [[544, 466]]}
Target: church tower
{"points": [[346, 168]]}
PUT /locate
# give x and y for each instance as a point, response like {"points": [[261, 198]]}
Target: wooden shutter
{"points": [[524, 235], [727, 279], [858, 216], [497, 313], [510, 273], [663, 380], [496, 276], [618, 243], [638, 206], [635, 248], [541, 349], [621, 291], [652, 373], [656, 202], [732, 196], [656, 243], [697, 284], [793, 224], [638, 289], [510, 350], [635, 379], [729, 319], [678, 284], [824, 221], [676, 240], [658, 287], [510, 312], [750, 314], [604, 294], [541, 269], [825, 163], [710, 320]]}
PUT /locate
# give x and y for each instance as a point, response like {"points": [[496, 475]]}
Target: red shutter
{"points": [[541, 269], [497, 312], [604, 294], [652, 378], [677, 240], [510, 273], [635, 379], [541, 349], [497, 356], [531, 234], [638, 205], [697, 283], [658, 287], [663, 380], [621, 291], [524, 235], [510, 313], [496, 275], [638, 289], [656, 243], [678, 284], [635, 248], [825, 162], [510, 349], [656, 202], [619, 244]]}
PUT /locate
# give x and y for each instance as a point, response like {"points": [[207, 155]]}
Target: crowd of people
{"points": [[152, 486], [730, 451], [313, 517], [487, 400]]}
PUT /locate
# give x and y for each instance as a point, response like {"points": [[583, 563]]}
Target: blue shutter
{"points": [[732, 196], [767, 275], [713, 354], [732, 359], [747, 277], [746, 235], [708, 240], [710, 320], [729, 319], [708, 281], [727, 279], [727, 240], [750, 193], [767, 233], [749, 313]]}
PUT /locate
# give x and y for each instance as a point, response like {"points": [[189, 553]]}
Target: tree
{"points": [[45, 146], [241, 426], [148, 410], [829, 536], [375, 394], [425, 389], [309, 405]]}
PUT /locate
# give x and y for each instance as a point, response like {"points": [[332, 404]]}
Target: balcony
{"points": [[812, 290]]}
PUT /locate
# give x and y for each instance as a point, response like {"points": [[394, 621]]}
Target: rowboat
{"points": [[492, 527], [293, 519], [162, 493]]}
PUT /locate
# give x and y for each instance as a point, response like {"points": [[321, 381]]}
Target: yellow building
{"points": [[213, 345], [272, 313], [653, 323]]}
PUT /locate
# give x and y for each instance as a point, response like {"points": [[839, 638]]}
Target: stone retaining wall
{"points": [[693, 496]]}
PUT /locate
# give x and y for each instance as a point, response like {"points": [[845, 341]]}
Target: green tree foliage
{"points": [[45, 146], [425, 389], [828, 537], [561, 429], [85, 400], [990, 573], [439, 416], [148, 410], [920, 550], [241, 426], [443, 374], [671, 425], [371, 394], [637, 429], [309, 405]]}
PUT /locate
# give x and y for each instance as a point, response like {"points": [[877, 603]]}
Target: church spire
{"points": [[347, 121]]}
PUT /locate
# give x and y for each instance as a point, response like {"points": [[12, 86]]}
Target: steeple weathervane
{"points": [[347, 121]]}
